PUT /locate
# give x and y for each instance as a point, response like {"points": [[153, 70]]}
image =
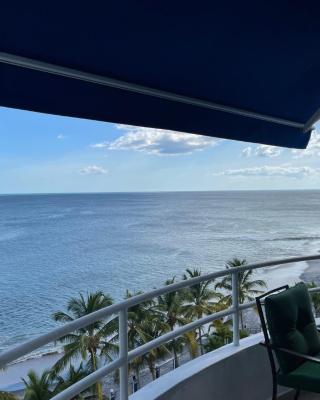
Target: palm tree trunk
{"points": [[175, 355], [137, 375], [241, 321], [98, 384], [200, 340], [152, 369]]}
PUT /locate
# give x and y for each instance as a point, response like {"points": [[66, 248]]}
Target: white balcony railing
{"points": [[121, 309]]}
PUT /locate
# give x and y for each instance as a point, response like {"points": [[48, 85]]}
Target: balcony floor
{"points": [[303, 396]]}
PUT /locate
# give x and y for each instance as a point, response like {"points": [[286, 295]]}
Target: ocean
{"points": [[54, 246]]}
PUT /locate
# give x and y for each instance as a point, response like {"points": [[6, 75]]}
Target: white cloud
{"points": [[313, 148], [157, 141], [93, 170], [247, 151], [263, 150], [284, 170], [61, 137], [100, 145]]}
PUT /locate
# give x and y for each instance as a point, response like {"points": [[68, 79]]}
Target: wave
{"points": [[265, 239], [38, 354], [292, 238], [47, 350], [10, 235]]}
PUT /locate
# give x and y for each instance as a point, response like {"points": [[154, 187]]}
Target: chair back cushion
{"points": [[291, 325]]}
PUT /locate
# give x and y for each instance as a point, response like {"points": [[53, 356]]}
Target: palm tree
{"points": [[222, 329], [38, 387], [190, 340], [90, 343], [198, 300], [222, 335], [170, 307], [151, 328], [136, 316], [74, 375], [144, 325], [248, 288]]}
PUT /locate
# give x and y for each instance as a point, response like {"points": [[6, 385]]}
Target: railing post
{"points": [[235, 304], [123, 353]]}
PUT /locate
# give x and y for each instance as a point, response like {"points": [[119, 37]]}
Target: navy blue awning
{"points": [[240, 70]]}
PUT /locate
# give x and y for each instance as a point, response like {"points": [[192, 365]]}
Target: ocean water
{"points": [[55, 246]]}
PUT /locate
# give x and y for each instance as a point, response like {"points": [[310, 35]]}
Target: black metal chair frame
{"points": [[270, 347]]}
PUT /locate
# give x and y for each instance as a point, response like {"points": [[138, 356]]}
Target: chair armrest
{"points": [[292, 353]]}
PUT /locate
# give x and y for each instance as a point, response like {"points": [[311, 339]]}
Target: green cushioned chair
{"points": [[291, 335]]}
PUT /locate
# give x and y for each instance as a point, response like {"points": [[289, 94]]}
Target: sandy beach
{"points": [[312, 272], [290, 274], [10, 378]]}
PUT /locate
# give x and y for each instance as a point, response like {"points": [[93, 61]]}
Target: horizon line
{"points": [[158, 191]]}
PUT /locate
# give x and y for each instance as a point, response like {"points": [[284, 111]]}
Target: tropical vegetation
{"points": [[169, 307], [315, 297], [48, 384], [95, 342], [88, 348], [248, 288], [38, 387], [73, 375], [222, 335], [199, 300]]}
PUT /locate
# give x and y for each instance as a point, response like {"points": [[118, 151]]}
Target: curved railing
{"points": [[121, 309]]}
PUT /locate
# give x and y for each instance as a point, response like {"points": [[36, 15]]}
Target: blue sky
{"points": [[42, 153]]}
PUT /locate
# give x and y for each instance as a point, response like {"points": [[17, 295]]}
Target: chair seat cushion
{"points": [[305, 377]]}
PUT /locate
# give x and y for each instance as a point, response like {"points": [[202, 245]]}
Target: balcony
{"points": [[238, 370]]}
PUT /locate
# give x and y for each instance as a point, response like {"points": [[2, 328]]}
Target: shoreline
{"points": [[10, 378], [312, 272], [285, 274]]}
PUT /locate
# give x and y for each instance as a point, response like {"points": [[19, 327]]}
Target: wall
{"points": [[235, 373]]}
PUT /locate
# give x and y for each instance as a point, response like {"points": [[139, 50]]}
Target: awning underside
{"points": [[264, 59]]}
